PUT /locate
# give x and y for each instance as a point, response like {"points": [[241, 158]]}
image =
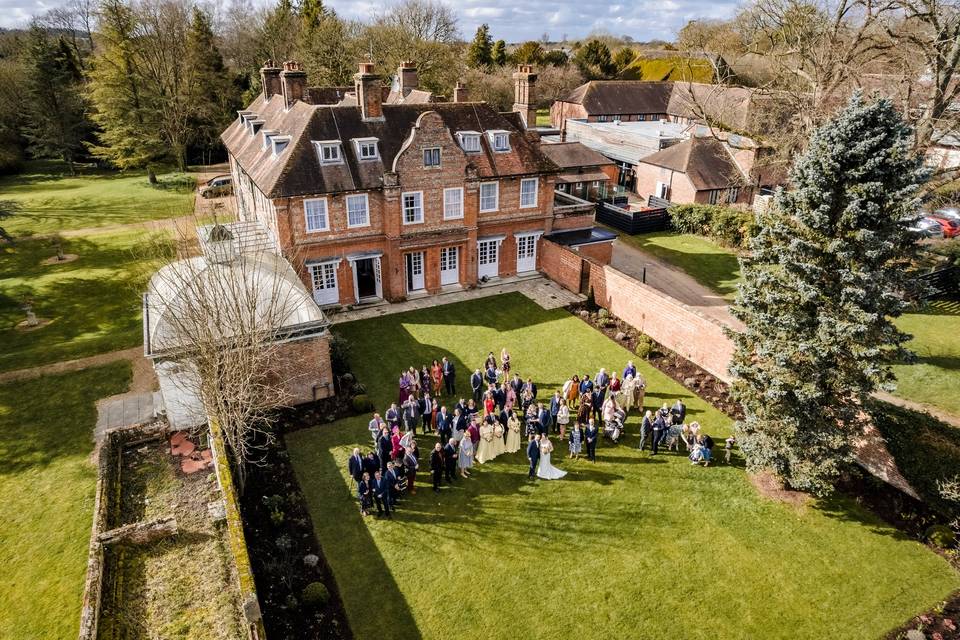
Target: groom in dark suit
{"points": [[533, 455], [449, 377]]}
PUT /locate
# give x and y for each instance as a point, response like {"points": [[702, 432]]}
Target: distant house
{"points": [[729, 108], [585, 173]]}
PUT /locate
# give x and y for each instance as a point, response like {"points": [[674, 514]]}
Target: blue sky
{"points": [[511, 20]]}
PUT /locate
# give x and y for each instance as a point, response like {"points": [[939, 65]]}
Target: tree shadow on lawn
{"points": [[845, 509]]}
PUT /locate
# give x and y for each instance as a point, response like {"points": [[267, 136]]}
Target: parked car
{"points": [[927, 228], [217, 187], [952, 213], [951, 227]]}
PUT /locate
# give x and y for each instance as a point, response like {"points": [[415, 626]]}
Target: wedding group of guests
{"points": [[502, 410]]}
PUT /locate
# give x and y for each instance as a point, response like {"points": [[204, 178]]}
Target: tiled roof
{"points": [[705, 161], [297, 170], [567, 155]]}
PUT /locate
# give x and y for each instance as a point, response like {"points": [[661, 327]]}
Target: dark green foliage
{"points": [[726, 225], [623, 58], [8, 208], [499, 53], [480, 53], [941, 536], [315, 594], [213, 96], [556, 58], [594, 60], [820, 293], [339, 355], [530, 52], [362, 403]]}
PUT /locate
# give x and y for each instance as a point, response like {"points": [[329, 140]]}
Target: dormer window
{"points": [[499, 140], [255, 126], [469, 141], [279, 144], [267, 136], [242, 116], [328, 151], [366, 148]]}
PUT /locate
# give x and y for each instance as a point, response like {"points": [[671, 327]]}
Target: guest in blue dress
{"points": [[576, 440]]}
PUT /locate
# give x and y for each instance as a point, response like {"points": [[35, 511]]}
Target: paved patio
{"points": [[541, 290]]}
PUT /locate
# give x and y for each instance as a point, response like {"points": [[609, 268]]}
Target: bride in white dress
{"points": [[546, 470]]}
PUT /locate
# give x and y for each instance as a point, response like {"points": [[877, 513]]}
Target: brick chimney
{"points": [[270, 79], [293, 80], [369, 94], [460, 93], [524, 94], [407, 73]]}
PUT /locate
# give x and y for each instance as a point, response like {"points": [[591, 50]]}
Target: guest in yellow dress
{"points": [[513, 434], [499, 446], [485, 448]]}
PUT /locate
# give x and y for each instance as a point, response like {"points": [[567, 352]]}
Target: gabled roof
{"points": [[297, 170], [705, 161], [569, 155]]}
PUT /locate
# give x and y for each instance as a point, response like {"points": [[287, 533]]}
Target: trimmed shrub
{"points": [[644, 347], [362, 403], [941, 536], [315, 594], [339, 354], [726, 225]]}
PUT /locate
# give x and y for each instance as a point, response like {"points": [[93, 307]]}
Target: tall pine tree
{"points": [[480, 53], [56, 113], [213, 96], [820, 293], [499, 53]]}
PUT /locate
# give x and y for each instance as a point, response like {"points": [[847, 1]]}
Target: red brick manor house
{"points": [[386, 194]]}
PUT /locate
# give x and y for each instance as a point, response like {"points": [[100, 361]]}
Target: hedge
{"points": [[726, 225]]}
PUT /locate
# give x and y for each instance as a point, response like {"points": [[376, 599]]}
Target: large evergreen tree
{"points": [[594, 60], [820, 293], [56, 114], [213, 96], [499, 53], [480, 53]]}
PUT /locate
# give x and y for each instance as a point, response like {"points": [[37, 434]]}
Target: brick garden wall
{"points": [[671, 323]]}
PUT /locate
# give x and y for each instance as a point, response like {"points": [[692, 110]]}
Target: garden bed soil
{"points": [[284, 552], [703, 384]]}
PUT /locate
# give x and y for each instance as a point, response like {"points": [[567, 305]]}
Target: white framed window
{"points": [[412, 207], [366, 148], [732, 194], [267, 136], [601, 118], [500, 140], [328, 152], [453, 203], [358, 210], [315, 213], [431, 157], [528, 192], [469, 141], [279, 144], [489, 196]]}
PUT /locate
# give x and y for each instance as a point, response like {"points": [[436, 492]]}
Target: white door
{"points": [[324, 278], [415, 271], [378, 276], [526, 253], [449, 265], [488, 258]]}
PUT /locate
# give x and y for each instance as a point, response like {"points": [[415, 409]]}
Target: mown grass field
{"points": [[708, 263], [630, 547], [48, 480], [54, 201], [935, 378]]}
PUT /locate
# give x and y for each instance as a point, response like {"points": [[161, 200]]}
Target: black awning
{"points": [[578, 237]]}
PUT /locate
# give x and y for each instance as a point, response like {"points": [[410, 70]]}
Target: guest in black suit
{"points": [[517, 385], [385, 447], [426, 411], [659, 429], [436, 465], [533, 455], [531, 387], [476, 383], [355, 465], [381, 494], [491, 375], [393, 481], [500, 397], [590, 435], [449, 376], [543, 418], [450, 453], [371, 464], [679, 412], [411, 413]]}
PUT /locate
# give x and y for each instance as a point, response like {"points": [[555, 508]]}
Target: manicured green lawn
{"points": [[629, 547], [47, 481], [935, 378], [708, 263], [53, 201], [93, 302]]}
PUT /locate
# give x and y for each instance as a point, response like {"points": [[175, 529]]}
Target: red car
{"points": [[951, 227]]}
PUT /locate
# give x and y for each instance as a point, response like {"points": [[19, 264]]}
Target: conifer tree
{"points": [[480, 53], [594, 60], [820, 292], [499, 53], [212, 95], [56, 114]]}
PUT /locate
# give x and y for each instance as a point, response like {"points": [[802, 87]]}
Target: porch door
{"points": [[488, 258], [415, 280], [324, 277], [526, 253], [449, 265]]}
